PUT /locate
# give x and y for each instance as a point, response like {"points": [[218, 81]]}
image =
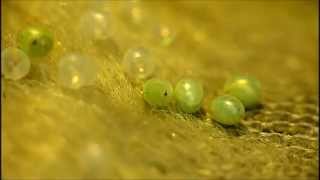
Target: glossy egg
{"points": [[95, 25], [157, 92], [188, 94], [75, 71], [35, 41], [15, 64], [227, 110], [138, 63], [247, 89]]}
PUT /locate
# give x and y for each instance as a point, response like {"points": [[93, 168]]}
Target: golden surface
{"points": [[107, 131]]}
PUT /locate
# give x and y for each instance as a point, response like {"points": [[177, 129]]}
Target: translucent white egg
{"points": [[15, 64], [95, 25], [75, 71], [138, 63]]}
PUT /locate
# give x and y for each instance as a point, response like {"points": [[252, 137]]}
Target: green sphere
{"points": [[35, 41], [246, 89], [188, 94], [158, 92], [227, 110]]}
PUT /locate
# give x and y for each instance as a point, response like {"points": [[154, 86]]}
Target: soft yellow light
{"points": [[242, 81], [75, 79], [187, 86], [141, 70], [137, 54]]}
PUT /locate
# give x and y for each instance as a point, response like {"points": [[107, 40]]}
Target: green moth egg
{"points": [[188, 94], [227, 110], [247, 89], [157, 92], [35, 41]]}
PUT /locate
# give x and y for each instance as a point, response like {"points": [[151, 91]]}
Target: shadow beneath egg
{"points": [[232, 130]]}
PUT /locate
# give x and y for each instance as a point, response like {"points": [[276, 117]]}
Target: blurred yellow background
{"points": [[107, 131]]}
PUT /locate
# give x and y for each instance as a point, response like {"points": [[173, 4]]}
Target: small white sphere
{"points": [[95, 25], [15, 64], [75, 71], [138, 63]]}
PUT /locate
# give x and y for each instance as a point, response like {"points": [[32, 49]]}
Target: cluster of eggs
{"points": [[241, 92], [75, 71], [33, 42]]}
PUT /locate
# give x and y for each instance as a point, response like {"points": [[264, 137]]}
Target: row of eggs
{"points": [[239, 93]]}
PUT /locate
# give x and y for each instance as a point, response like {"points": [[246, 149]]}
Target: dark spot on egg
{"points": [[34, 42], [165, 93]]}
